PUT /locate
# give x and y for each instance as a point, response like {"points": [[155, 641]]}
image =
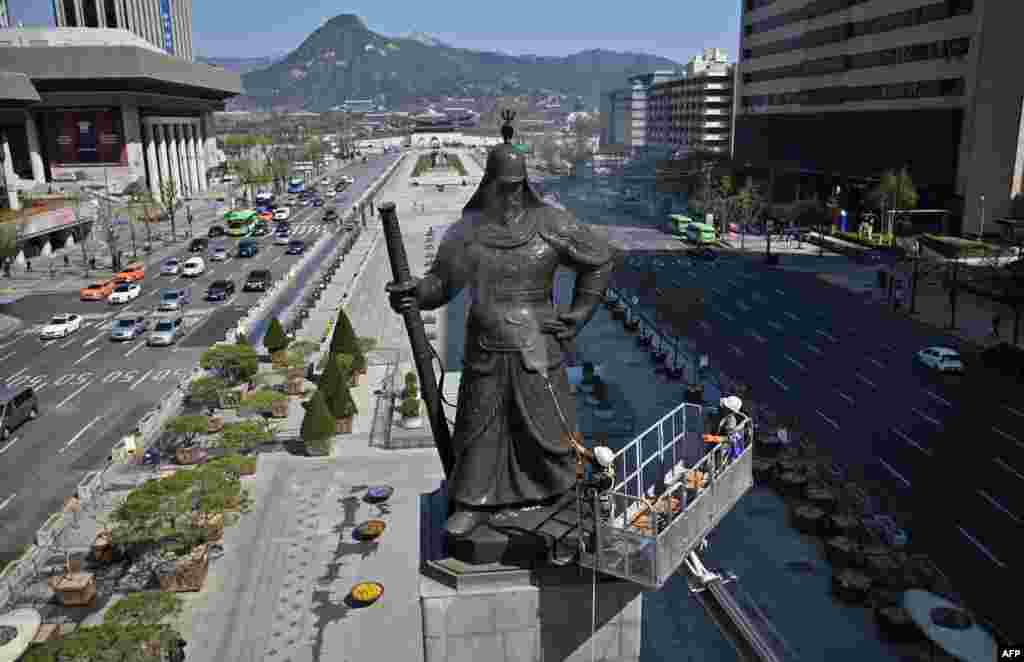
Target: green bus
{"points": [[701, 233], [240, 222], [679, 223]]}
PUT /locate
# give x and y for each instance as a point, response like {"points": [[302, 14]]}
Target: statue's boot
{"points": [[463, 521]]}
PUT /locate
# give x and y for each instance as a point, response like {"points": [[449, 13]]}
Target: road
{"points": [[846, 370], [92, 391]]}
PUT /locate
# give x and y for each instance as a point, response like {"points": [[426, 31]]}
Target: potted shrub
{"points": [[188, 428], [411, 386], [276, 342], [135, 641], [233, 363], [267, 402], [205, 391], [344, 341], [410, 412], [244, 436], [343, 408], [318, 426]]}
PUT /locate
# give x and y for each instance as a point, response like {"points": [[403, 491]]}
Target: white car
{"points": [[282, 214], [942, 359], [125, 292], [61, 326], [194, 266]]}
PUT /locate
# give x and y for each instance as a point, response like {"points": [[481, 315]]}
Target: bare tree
{"points": [[750, 205]]}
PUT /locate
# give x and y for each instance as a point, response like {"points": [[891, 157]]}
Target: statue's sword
{"points": [[422, 356]]}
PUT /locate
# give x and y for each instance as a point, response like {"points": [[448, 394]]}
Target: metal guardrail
{"points": [[655, 466]]}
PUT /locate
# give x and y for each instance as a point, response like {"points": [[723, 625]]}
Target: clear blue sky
{"points": [[250, 28]]}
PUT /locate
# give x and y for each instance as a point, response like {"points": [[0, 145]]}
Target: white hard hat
{"points": [[604, 456], [732, 403]]}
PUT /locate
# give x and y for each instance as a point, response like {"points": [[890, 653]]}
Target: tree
{"points": [[749, 204], [331, 377], [243, 436], [340, 402], [144, 608], [895, 191], [318, 425], [170, 202], [235, 363], [275, 339], [205, 391], [188, 427], [343, 340]]}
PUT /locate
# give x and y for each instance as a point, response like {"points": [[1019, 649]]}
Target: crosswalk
{"points": [[307, 229]]}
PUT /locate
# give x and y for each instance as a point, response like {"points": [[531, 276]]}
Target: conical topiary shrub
{"points": [[275, 340], [344, 340], [330, 377], [342, 407], [318, 426]]}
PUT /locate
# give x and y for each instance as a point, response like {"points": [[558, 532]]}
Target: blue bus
{"points": [[296, 185]]}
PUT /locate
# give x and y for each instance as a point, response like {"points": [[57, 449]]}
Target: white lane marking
{"points": [[135, 349], [984, 550], [825, 335], [895, 473], [8, 445], [876, 362], [76, 392], [937, 398], [140, 380], [754, 335], [1015, 412], [92, 340], [7, 356], [737, 350], [791, 316], [865, 380], [827, 419], [80, 433], [1002, 463], [937, 423], [846, 397], [17, 374], [275, 259], [794, 361], [778, 382], [1007, 435], [780, 292], [902, 435], [775, 325], [813, 349], [727, 316], [6, 502], [742, 306], [86, 355], [984, 495]]}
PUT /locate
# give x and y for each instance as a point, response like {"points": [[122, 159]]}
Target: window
{"points": [[90, 16], [953, 87], [111, 11]]}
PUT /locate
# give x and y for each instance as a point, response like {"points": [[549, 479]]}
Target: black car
{"points": [[296, 247], [258, 280], [248, 248], [220, 290], [199, 245], [216, 231]]}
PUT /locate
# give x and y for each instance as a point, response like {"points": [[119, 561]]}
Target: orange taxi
{"points": [[133, 273], [266, 216], [97, 291]]}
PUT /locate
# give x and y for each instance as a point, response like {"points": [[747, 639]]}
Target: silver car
{"points": [[166, 331], [170, 267], [172, 299], [128, 327]]}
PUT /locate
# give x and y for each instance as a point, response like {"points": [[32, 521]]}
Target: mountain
{"points": [[343, 59], [242, 65]]}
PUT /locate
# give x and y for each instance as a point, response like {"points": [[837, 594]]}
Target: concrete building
{"points": [[834, 93], [112, 110], [615, 117], [167, 24], [694, 113]]}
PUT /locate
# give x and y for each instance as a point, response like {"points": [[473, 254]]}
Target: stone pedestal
{"points": [[503, 613]]}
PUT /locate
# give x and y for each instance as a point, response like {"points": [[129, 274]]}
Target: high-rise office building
{"points": [[694, 113], [167, 24], [837, 91]]}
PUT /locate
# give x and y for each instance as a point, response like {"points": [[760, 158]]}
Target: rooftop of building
{"points": [[106, 60]]}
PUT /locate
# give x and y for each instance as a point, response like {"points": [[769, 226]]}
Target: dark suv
{"points": [[17, 405], [258, 280], [199, 245]]}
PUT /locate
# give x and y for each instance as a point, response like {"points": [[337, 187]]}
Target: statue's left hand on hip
{"points": [[565, 327]]}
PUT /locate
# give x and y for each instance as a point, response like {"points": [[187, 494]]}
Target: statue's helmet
{"points": [[507, 164]]}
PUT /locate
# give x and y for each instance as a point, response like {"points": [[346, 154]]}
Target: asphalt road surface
{"points": [[92, 391], [951, 448]]}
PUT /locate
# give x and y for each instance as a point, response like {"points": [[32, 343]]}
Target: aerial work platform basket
{"points": [[672, 487]]}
